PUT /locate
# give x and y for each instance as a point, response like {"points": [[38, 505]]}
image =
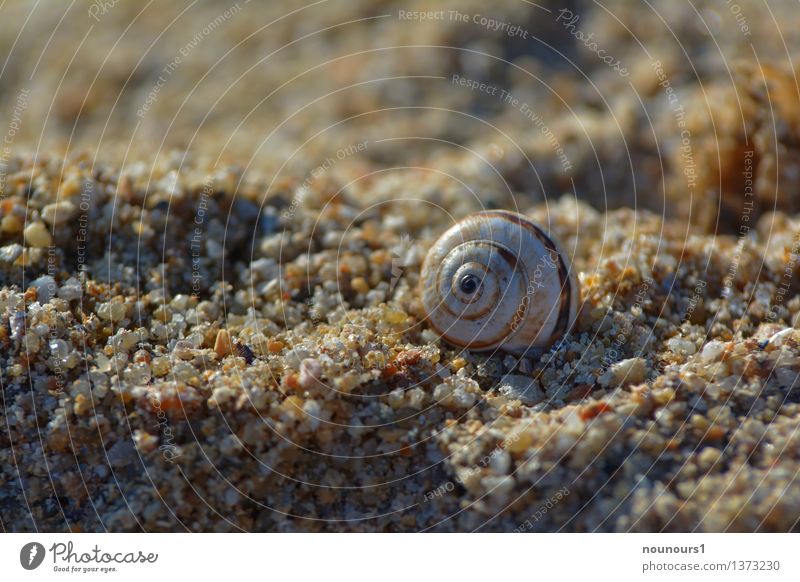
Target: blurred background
{"points": [[276, 88]]}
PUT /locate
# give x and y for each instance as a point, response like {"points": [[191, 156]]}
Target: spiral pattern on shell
{"points": [[496, 280]]}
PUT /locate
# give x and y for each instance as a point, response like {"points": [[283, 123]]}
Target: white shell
{"points": [[497, 281]]}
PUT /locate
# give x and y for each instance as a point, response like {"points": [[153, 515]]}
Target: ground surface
{"points": [[212, 224]]}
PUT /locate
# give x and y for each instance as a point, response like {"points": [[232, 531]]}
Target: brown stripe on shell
{"points": [[565, 296], [563, 322]]}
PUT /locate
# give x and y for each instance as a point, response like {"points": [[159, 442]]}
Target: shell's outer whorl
{"points": [[527, 295], [569, 295]]}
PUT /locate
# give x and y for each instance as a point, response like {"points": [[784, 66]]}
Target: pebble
{"points": [[37, 235], [59, 213], [46, 288], [184, 350], [712, 351], [71, 289], [223, 345], [59, 349], [114, 310], [630, 371], [360, 285], [681, 346], [310, 373], [11, 224], [160, 366], [10, 253], [522, 388]]}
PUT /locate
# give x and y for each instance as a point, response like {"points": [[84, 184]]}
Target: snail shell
{"points": [[496, 281]]}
